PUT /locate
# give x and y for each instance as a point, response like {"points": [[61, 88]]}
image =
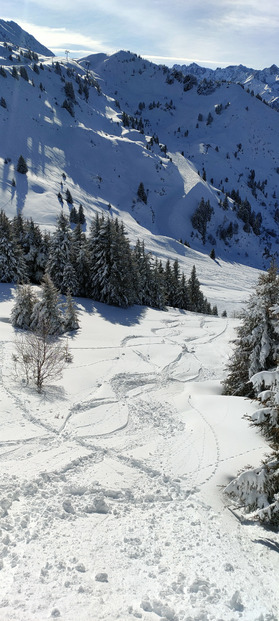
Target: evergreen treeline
{"points": [[102, 265]]}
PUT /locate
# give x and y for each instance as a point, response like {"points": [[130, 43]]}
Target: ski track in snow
{"points": [[110, 519]]}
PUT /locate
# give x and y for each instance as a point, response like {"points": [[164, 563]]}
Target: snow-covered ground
{"points": [[111, 481]]}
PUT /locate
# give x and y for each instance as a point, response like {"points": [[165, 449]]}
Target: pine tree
{"points": [[93, 250], [182, 296], [176, 283], [46, 316], [81, 216], [69, 91], [12, 264], [23, 308], [201, 217], [139, 272], [158, 297], [120, 289], [212, 254], [257, 342], [81, 260], [141, 193], [15, 73], [69, 197], [18, 229], [69, 107], [23, 73], [35, 247], [265, 337], [69, 280], [258, 488], [21, 165], [70, 314], [194, 292], [169, 284], [110, 263], [74, 215], [60, 253]]}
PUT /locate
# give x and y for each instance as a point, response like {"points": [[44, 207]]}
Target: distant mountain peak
{"points": [[11, 32]]}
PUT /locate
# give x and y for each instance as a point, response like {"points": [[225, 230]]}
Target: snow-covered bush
{"points": [[23, 308], [258, 490]]}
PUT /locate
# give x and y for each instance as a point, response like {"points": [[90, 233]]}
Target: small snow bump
{"points": [[228, 567], [67, 506], [236, 603], [81, 568], [101, 577]]}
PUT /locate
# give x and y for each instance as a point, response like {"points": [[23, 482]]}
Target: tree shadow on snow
{"points": [[21, 191], [7, 290], [122, 316], [269, 543], [51, 393]]}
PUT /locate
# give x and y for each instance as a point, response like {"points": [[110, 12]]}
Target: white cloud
{"points": [[62, 38], [181, 60]]}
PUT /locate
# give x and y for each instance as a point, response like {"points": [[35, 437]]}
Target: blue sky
{"points": [[210, 32]]}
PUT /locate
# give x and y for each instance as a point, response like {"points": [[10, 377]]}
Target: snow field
{"points": [[111, 489]]}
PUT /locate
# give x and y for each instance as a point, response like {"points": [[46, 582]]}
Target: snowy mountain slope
{"points": [[12, 33], [239, 139], [104, 158], [264, 82], [111, 487], [111, 503]]}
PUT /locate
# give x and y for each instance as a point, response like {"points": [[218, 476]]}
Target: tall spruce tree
{"points": [[182, 297], [120, 286], [12, 264], [81, 260], [35, 251], [60, 253], [139, 271], [194, 291], [94, 289], [169, 283], [257, 342], [158, 295]]}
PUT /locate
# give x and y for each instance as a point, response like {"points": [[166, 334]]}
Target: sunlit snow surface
{"points": [[111, 481]]}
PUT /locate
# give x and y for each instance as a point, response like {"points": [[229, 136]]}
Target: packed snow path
{"points": [[111, 481]]}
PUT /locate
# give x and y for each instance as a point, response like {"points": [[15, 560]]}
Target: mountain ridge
{"points": [[264, 82], [11, 32]]}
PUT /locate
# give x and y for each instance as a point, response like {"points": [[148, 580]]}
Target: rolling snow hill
{"points": [[111, 490]]}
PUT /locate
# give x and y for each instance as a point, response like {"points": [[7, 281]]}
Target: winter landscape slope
{"points": [[112, 503], [136, 125]]}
